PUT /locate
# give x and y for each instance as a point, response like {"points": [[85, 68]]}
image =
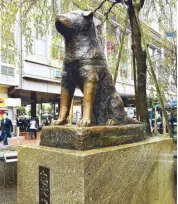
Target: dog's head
{"points": [[74, 22]]}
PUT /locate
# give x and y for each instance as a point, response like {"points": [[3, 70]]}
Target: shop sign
{"points": [[58, 73], [13, 102], [2, 112], [171, 34], [2, 102]]}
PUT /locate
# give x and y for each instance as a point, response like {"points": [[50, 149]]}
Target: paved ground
{"points": [[19, 141], [8, 195]]}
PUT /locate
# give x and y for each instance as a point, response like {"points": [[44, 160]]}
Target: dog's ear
{"points": [[88, 15]]}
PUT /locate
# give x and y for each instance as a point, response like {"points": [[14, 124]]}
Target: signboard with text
{"points": [[13, 102], [171, 34], [58, 73], [2, 102]]}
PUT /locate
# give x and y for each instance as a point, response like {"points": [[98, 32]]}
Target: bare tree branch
{"points": [[107, 13], [100, 6]]}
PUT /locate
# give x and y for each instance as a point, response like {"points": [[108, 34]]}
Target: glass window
{"points": [[4, 70], [40, 32], [7, 74], [11, 71], [7, 70], [124, 70], [9, 38], [123, 73], [8, 57]]}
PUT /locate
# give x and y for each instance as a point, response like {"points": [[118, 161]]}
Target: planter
{"points": [[27, 135], [38, 134], [22, 133]]}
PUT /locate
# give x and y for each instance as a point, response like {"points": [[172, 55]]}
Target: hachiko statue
{"points": [[85, 66]]}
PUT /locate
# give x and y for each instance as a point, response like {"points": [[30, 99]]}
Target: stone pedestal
{"points": [[84, 138], [137, 173]]}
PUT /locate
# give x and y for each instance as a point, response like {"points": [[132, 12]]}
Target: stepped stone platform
{"points": [[84, 138]]}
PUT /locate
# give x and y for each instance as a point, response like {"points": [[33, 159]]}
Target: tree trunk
{"points": [[153, 75], [135, 83], [140, 56]]}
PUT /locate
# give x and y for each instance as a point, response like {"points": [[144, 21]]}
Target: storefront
{"points": [[10, 106]]}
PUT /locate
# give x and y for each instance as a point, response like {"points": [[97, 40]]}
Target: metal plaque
{"points": [[44, 185]]}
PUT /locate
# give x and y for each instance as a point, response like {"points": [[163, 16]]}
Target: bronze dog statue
{"points": [[85, 66]]}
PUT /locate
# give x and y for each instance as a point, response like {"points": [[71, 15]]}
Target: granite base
{"points": [[137, 173]]}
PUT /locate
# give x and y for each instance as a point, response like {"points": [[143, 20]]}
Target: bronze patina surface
{"points": [[85, 66], [83, 138]]}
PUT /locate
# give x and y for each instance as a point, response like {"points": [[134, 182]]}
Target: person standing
{"points": [[6, 128], [18, 127], [171, 120], [33, 128]]}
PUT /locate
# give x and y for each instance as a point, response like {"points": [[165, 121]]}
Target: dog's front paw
{"points": [[59, 122], [84, 123]]}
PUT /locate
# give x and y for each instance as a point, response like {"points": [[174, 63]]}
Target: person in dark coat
{"points": [[171, 120], [6, 128]]}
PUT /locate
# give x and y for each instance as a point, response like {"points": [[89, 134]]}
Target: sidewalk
{"points": [[16, 141]]}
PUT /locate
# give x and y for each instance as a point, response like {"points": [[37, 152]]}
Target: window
{"points": [[4, 70], [7, 74], [40, 32], [10, 71], [8, 57], [9, 39], [124, 71], [7, 70]]}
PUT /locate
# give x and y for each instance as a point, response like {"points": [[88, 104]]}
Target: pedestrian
{"points": [[37, 122], [171, 120], [6, 128], [26, 124], [18, 127], [46, 122], [49, 120], [33, 128]]}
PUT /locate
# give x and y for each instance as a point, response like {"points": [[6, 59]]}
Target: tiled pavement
{"points": [[19, 141]]}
